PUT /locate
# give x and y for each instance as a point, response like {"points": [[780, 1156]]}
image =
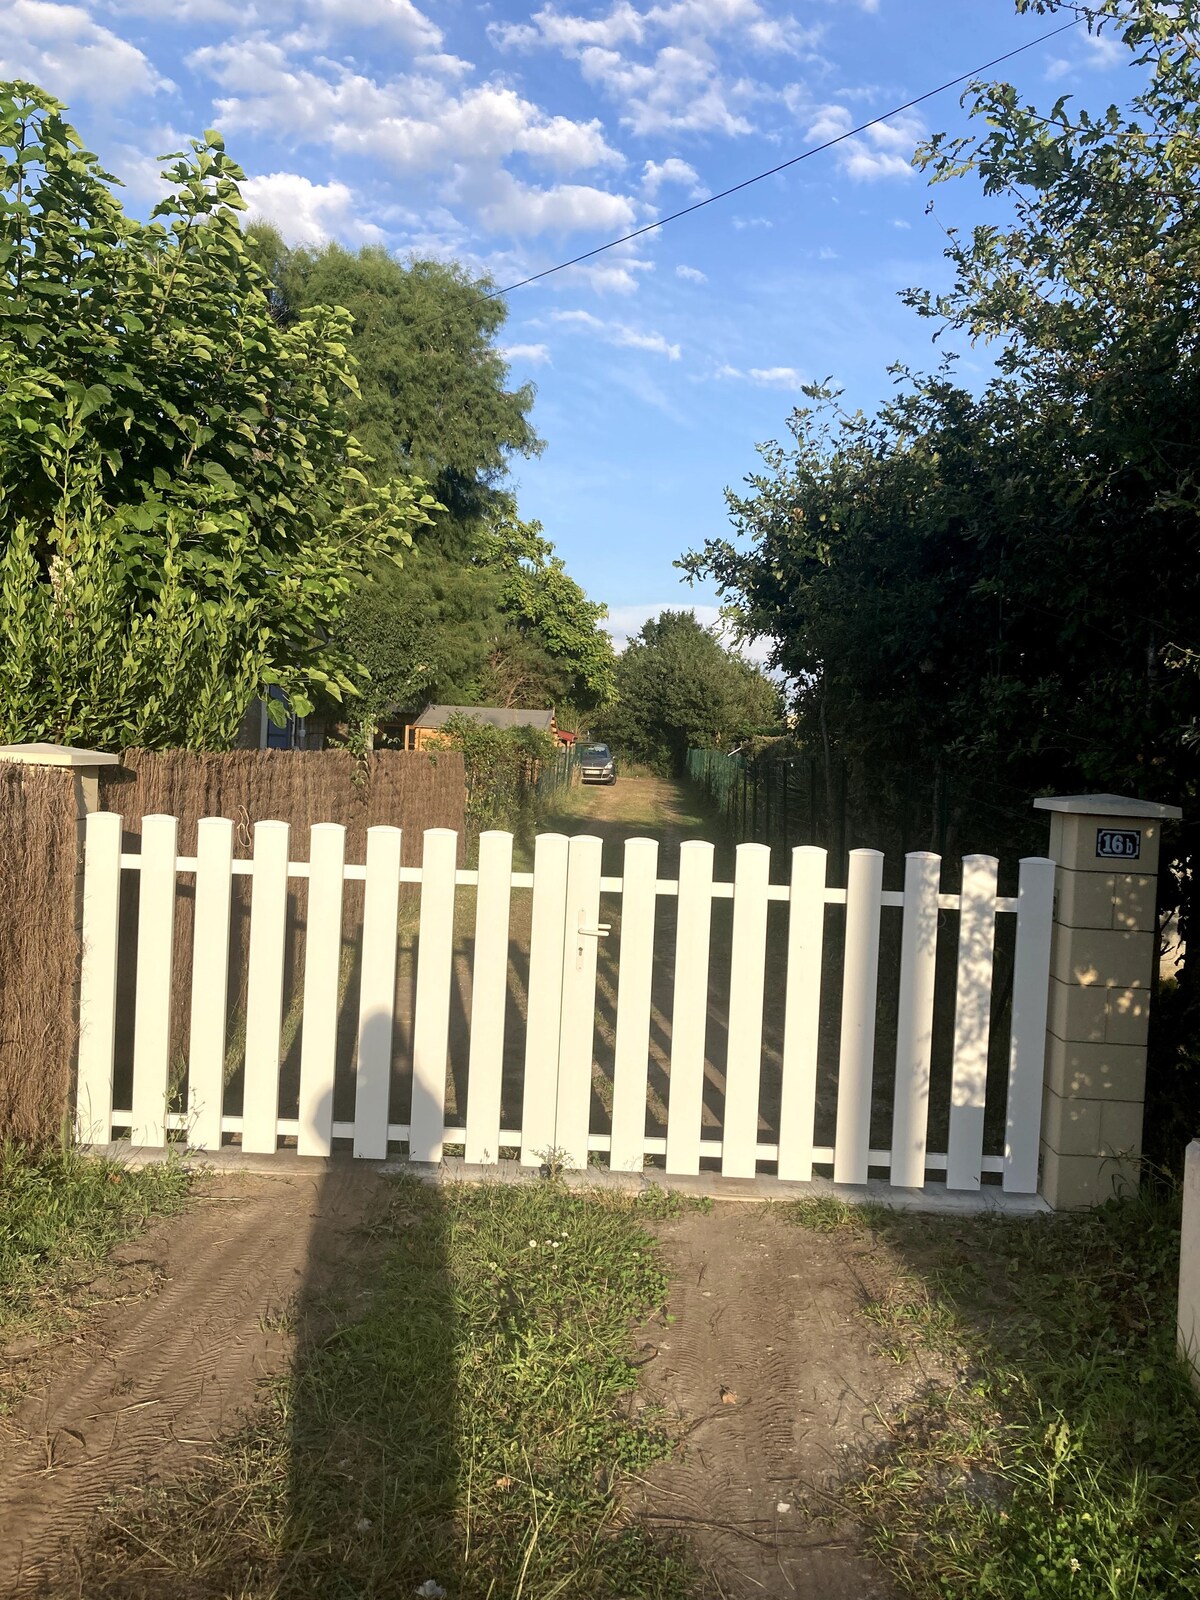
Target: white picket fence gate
{"points": [[557, 1094]]}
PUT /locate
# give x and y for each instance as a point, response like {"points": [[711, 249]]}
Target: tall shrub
{"points": [[183, 509]]}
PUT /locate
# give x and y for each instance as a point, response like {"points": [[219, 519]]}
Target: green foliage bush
{"points": [[502, 766], [183, 508]]}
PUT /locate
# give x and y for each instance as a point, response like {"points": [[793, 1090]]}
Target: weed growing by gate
{"points": [[1064, 1460], [461, 1415]]}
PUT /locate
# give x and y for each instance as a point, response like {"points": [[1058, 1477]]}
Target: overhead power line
{"points": [[805, 155]]}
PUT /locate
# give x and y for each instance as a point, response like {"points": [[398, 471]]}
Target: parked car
{"points": [[596, 764]]}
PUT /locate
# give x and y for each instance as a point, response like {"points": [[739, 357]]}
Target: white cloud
{"points": [[763, 377], [884, 150], [410, 121], [681, 91], [414, 124], [245, 15], [664, 65], [400, 19], [61, 48], [535, 355], [547, 27], [317, 23], [308, 213], [690, 274], [1098, 52], [615, 272], [775, 377], [899, 222], [672, 170], [623, 24], [619, 333], [520, 208], [449, 66], [624, 621], [1106, 50]]}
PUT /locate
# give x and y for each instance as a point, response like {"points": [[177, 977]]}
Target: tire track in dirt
{"points": [[157, 1380], [768, 1366]]}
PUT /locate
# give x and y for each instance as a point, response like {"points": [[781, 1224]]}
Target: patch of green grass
{"points": [[1064, 1460], [461, 1413], [825, 1213], [60, 1214]]}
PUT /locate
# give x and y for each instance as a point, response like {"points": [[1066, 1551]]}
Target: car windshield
{"points": [[596, 752]]}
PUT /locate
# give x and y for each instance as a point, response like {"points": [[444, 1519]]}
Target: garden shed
{"points": [[425, 732]]}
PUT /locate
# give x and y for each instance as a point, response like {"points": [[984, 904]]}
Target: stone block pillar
{"points": [[1102, 959]]}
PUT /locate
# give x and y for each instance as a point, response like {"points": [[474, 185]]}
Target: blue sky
{"points": [[511, 137]]}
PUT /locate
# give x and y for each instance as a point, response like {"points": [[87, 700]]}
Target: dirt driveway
{"points": [[766, 1367], [769, 1367], [197, 1317]]}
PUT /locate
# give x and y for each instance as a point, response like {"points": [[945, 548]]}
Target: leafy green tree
{"points": [[508, 626], [432, 395], [679, 687], [183, 509], [552, 647], [485, 612], [1002, 584]]}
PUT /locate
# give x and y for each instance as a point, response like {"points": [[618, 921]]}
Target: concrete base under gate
{"points": [[710, 1185]]}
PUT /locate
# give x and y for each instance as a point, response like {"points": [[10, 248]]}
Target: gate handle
{"points": [[600, 931]]}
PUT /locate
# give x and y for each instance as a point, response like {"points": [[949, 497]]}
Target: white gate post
{"points": [[1105, 944]]}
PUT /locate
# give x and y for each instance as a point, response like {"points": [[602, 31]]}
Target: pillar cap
{"points": [[1104, 805], [57, 755]]}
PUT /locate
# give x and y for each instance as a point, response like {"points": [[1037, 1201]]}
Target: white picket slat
{"points": [[547, 931], [1027, 1044], [914, 1023], [802, 1018], [322, 976], [578, 1025], [689, 1010], [747, 982], [377, 993], [431, 1025], [489, 995], [860, 981], [210, 981], [264, 987], [972, 1021], [98, 978], [155, 950], [635, 978]]}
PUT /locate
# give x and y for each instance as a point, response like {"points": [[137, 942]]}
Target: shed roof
{"points": [[497, 716]]}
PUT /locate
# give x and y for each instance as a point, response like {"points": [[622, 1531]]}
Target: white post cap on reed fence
{"points": [[41, 754], [85, 764]]}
